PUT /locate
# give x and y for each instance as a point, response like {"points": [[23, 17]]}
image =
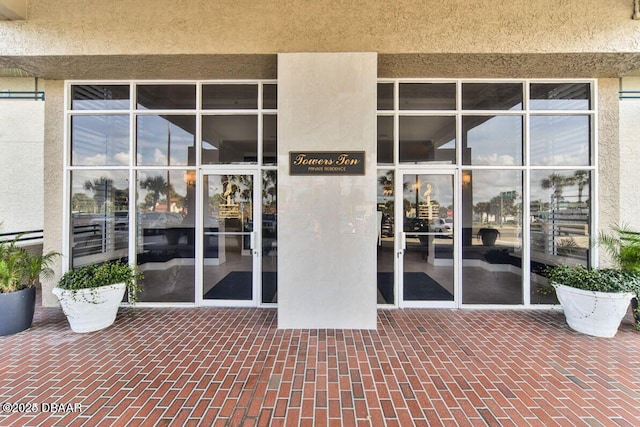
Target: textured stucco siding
{"points": [[53, 183], [89, 39], [21, 159], [70, 27], [20, 84], [609, 159]]}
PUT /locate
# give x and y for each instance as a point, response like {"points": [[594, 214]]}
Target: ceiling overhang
{"points": [[124, 67], [509, 65], [264, 66], [13, 10]]}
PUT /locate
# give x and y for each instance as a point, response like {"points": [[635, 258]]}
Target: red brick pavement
{"points": [[233, 367]]}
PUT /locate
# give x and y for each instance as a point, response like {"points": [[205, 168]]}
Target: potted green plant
{"points": [[623, 247], [90, 295], [488, 235], [594, 300], [20, 270]]}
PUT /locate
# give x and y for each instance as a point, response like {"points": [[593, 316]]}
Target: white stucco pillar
{"points": [[327, 229]]}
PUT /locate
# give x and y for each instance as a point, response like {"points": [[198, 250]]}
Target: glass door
{"points": [[229, 239], [386, 246], [426, 238]]}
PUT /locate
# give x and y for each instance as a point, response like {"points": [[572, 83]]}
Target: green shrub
{"points": [[20, 269], [595, 279], [95, 275], [623, 246]]}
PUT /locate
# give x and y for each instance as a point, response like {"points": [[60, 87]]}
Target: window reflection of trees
{"points": [[269, 190], [156, 185], [503, 207], [100, 219], [560, 217], [106, 197]]}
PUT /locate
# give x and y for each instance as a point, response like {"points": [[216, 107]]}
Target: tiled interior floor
{"points": [[233, 367]]}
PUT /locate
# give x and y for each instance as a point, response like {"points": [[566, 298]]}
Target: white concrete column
{"points": [[327, 229]]}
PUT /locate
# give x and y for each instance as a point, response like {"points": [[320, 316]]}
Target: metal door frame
{"points": [[400, 236], [256, 237]]}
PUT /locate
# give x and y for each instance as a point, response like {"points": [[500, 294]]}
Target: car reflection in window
{"points": [[443, 225], [160, 219]]}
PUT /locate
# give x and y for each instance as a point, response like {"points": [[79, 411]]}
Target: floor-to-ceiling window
{"points": [[138, 155], [489, 182], [522, 156]]}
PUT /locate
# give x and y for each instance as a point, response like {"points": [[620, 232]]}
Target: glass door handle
{"points": [[252, 243], [403, 244]]}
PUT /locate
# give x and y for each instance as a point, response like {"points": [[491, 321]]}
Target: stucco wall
{"points": [[20, 84], [69, 27], [21, 159], [53, 182], [64, 39], [609, 157]]}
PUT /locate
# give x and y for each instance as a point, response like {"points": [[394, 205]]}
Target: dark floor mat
{"points": [[417, 287]]}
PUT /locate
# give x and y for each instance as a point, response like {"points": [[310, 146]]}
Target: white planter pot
{"points": [[89, 310], [593, 313]]}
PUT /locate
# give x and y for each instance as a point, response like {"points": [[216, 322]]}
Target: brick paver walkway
{"points": [[207, 366]]}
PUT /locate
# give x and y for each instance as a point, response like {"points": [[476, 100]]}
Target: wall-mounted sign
{"points": [[326, 163]]}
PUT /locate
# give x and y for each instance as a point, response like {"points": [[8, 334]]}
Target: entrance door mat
{"points": [[269, 286], [385, 286], [237, 285], [418, 286], [421, 287]]}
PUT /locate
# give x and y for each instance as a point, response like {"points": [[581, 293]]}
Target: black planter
{"points": [[488, 236], [636, 314], [16, 311]]}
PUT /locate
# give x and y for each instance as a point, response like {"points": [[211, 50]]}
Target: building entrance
{"points": [[239, 238], [425, 238], [418, 240], [229, 240]]}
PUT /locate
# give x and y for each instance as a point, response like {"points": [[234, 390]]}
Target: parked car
{"points": [[443, 225], [120, 219], [160, 219], [415, 224]]}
